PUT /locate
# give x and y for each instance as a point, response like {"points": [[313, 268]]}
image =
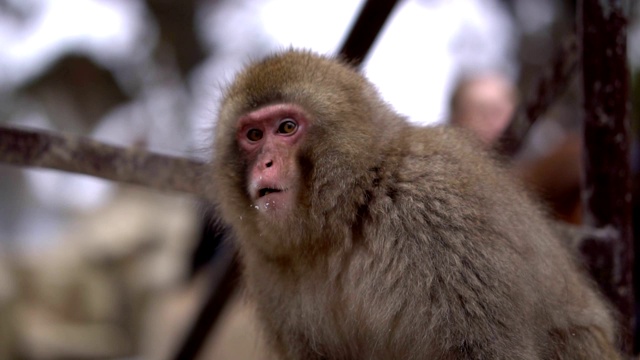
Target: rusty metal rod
{"points": [[606, 192], [224, 281], [28, 147], [364, 32]]}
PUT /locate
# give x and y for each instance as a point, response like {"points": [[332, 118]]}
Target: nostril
{"points": [[269, 164]]}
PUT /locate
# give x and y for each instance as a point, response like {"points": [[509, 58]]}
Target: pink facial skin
{"points": [[269, 138]]}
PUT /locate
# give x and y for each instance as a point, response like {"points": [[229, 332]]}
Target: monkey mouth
{"points": [[266, 191]]}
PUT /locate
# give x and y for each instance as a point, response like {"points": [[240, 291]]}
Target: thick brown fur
{"points": [[404, 243]]}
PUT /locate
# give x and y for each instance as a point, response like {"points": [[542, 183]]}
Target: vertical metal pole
{"points": [[606, 193]]}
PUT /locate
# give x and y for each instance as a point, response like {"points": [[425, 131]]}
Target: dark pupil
{"points": [[254, 135], [287, 127]]}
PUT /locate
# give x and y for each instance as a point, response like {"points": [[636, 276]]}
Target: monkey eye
{"points": [[254, 134], [287, 127]]}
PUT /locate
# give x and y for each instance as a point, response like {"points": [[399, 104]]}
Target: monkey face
{"points": [[269, 139]]}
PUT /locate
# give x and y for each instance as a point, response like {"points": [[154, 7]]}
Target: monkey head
{"points": [[295, 142]]}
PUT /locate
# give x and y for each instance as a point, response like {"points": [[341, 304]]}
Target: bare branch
{"points": [[84, 156]]}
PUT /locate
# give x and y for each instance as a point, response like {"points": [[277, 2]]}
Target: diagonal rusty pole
{"points": [[602, 29], [365, 30]]}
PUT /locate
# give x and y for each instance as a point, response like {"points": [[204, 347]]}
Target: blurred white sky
{"points": [[98, 28], [424, 46], [414, 64]]}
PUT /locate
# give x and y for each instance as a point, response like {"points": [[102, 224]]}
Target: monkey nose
{"points": [[269, 163]]}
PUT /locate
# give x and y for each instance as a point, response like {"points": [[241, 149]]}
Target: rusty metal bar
{"points": [[79, 155], [602, 28], [364, 32], [226, 275]]}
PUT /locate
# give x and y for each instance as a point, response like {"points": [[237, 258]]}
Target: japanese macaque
{"points": [[484, 103], [365, 237]]}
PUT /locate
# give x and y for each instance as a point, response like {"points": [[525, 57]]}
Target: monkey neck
{"points": [[331, 223]]}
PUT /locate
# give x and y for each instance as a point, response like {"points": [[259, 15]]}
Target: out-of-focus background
{"points": [[91, 269]]}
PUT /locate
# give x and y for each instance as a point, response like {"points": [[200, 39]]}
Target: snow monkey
{"points": [[362, 236]]}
